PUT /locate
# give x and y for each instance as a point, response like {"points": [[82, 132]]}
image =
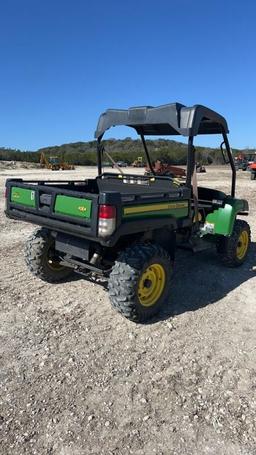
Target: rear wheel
{"points": [[253, 175], [42, 258], [233, 250], [139, 283]]}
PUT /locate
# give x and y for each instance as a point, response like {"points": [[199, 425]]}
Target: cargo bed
{"points": [[72, 206]]}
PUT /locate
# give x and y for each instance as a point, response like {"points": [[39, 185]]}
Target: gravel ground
{"points": [[76, 378]]}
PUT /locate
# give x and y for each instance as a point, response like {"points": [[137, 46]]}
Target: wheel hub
{"points": [[147, 283], [151, 285]]}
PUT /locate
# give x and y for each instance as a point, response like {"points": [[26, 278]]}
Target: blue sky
{"points": [[64, 62]]}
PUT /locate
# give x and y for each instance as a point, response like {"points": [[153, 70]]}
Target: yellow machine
{"points": [[54, 163], [138, 162]]}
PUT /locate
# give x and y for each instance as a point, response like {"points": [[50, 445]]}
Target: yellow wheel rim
{"points": [[151, 285], [242, 245]]}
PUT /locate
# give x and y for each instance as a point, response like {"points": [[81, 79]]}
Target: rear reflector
{"points": [[107, 220]]}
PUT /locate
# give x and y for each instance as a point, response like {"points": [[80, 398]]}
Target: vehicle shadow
{"points": [[200, 280], [101, 281]]}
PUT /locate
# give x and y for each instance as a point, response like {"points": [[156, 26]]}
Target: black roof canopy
{"points": [[165, 120]]}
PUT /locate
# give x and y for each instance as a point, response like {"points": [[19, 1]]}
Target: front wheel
{"points": [[139, 283], [253, 175], [233, 250], [42, 259]]}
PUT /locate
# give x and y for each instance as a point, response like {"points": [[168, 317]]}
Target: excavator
{"points": [[54, 163]]}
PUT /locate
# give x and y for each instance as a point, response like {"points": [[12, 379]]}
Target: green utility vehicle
{"points": [[127, 227]]}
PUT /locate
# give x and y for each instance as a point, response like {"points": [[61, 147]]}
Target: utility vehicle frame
{"points": [[127, 227]]}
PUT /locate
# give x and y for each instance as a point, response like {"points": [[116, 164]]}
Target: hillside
{"points": [[120, 149]]}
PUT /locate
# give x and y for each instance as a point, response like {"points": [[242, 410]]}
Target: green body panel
{"points": [[73, 206], [23, 196], [223, 218], [176, 209]]}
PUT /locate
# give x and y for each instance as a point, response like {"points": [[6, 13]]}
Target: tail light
{"points": [[107, 220]]}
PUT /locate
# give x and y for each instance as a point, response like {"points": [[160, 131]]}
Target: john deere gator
{"points": [[127, 227]]}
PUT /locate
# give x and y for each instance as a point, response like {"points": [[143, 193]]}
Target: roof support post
{"points": [[231, 161], [190, 161], [147, 154], [191, 181], [99, 155]]}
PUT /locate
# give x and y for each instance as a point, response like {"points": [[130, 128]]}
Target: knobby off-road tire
{"points": [[41, 258], [139, 283], [233, 250], [253, 175]]}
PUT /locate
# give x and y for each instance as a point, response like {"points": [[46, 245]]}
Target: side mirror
{"points": [[224, 153]]}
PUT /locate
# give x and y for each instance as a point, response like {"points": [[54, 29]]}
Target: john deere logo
{"points": [[82, 208], [15, 195]]}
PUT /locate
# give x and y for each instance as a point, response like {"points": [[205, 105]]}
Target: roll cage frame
{"points": [[167, 120]]}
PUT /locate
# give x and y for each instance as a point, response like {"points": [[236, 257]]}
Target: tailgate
{"points": [[53, 207]]}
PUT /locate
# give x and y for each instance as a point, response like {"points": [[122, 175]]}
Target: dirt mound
{"points": [[7, 164], [18, 165]]}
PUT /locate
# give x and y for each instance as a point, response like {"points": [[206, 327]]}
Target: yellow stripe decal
{"points": [[155, 207]]}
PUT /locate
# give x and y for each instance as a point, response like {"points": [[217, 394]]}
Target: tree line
{"points": [[128, 149]]}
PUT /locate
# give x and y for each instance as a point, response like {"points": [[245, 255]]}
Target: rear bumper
{"points": [[128, 228], [53, 224]]}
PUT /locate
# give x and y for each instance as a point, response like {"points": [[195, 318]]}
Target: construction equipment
{"points": [[200, 168], [252, 168], [54, 163], [51, 163], [161, 168], [244, 159], [66, 166], [138, 162], [126, 227]]}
